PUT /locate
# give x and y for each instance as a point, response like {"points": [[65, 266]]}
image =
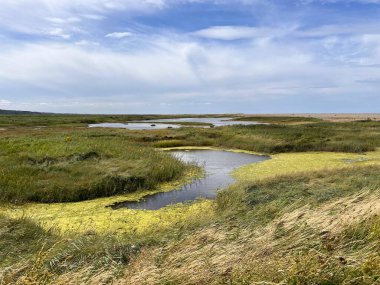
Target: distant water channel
{"points": [[171, 123], [218, 166]]}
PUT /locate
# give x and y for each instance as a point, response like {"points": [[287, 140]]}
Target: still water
{"points": [[218, 166], [170, 123]]}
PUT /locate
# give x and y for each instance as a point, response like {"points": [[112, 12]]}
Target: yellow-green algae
{"points": [[93, 215], [290, 163]]}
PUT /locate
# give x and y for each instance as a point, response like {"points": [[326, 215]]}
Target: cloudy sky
{"points": [[190, 56]]}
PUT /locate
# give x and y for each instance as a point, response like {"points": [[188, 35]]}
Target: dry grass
{"points": [[239, 255]]}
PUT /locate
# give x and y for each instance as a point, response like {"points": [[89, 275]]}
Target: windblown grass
{"points": [[269, 198], [31, 255], [49, 166], [307, 228]]}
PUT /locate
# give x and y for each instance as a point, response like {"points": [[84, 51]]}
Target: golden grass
{"points": [[219, 253]]}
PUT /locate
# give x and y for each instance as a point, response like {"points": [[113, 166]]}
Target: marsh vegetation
{"points": [[310, 215], [70, 166]]}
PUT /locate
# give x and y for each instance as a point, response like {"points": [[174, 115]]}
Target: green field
{"points": [[309, 215]]}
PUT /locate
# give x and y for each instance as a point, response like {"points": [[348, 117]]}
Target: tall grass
{"points": [[274, 232], [265, 200], [31, 255], [51, 166]]}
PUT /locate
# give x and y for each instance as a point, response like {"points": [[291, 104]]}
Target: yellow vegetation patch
{"points": [[82, 217], [290, 163]]}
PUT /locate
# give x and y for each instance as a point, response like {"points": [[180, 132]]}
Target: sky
{"points": [[190, 56]]}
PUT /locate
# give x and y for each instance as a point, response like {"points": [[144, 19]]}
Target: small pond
{"points": [[135, 126], [171, 123], [218, 166]]}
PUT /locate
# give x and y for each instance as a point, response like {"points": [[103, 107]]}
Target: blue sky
{"points": [[190, 56]]}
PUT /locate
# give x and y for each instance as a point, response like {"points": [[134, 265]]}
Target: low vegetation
{"points": [[279, 119], [309, 215], [352, 137], [24, 119]]}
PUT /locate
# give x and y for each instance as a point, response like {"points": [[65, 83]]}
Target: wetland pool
{"points": [[171, 123], [217, 164]]}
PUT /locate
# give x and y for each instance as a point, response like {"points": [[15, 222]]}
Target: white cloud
{"points": [[336, 30], [177, 70], [229, 32], [63, 21], [32, 16], [86, 43], [93, 17], [58, 32], [119, 35], [4, 103], [282, 62]]}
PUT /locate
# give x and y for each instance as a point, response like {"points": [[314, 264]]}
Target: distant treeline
{"points": [[14, 112]]}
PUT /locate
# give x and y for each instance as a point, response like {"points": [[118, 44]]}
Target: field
{"points": [[309, 215]]}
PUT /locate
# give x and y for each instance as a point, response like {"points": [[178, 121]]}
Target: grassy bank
{"points": [[309, 228], [76, 165]]}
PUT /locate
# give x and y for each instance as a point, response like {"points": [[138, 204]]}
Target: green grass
{"points": [[279, 119], [285, 134], [33, 120], [352, 137], [76, 165]]}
